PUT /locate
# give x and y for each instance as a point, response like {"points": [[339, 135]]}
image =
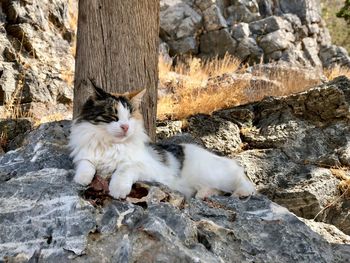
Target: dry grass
{"points": [[337, 71], [343, 175], [197, 86], [291, 80], [12, 109], [67, 76], [49, 118], [192, 89], [197, 69]]}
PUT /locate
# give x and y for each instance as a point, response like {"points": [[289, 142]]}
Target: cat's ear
{"points": [[136, 97], [100, 94]]}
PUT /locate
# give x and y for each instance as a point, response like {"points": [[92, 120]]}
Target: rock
{"points": [[265, 8], [338, 214], [216, 133], [183, 138], [272, 71], [7, 82], [334, 55], [325, 120], [311, 50], [204, 4], [179, 21], [34, 90], [167, 129], [293, 19], [248, 50], [291, 31], [179, 26], [303, 189], [53, 220], [307, 10], [240, 31], [217, 43], [36, 53], [242, 11], [213, 19], [276, 41], [187, 45], [314, 29], [164, 53], [13, 131], [324, 38], [344, 156], [269, 24]]}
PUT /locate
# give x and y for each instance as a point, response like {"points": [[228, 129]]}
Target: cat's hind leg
{"points": [[84, 172]]}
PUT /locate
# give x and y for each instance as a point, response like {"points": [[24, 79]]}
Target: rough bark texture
{"points": [[117, 45]]}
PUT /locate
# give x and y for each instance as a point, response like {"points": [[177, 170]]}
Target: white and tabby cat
{"points": [[108, 138]]}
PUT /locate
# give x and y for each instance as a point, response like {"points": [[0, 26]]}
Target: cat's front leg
{"points": [[84, 172], [121, 183]]}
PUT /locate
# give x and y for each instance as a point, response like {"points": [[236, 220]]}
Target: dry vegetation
{"points": [[343, 175], [336, 72], [190, 89], [198, 86]]}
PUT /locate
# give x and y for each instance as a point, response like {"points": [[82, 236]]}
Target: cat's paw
{"points": [[119, 190], [85, 172]]}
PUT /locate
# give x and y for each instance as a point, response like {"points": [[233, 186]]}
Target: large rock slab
{"points": [[45, 217]]}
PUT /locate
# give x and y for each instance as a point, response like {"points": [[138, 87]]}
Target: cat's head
{"points": [[117, 115]]}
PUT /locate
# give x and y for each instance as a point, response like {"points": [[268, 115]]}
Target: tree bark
{"points": [[117, 46]]}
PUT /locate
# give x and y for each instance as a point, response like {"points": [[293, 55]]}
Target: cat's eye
{"points": [[108, 118], [113, 118]]}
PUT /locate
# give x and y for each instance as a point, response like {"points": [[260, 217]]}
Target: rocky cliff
{"points": [[289, 146], [254, 31], [36, 57]]}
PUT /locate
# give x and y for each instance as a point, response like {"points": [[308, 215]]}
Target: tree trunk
{"points": [[117, 46]]}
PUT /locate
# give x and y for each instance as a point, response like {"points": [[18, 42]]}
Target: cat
{"points": [[108, 139]]}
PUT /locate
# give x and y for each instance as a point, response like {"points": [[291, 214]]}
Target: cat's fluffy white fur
{"points": [[104, 150]]}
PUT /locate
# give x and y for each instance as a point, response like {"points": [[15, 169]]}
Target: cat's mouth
{"points": [[121, 135]]}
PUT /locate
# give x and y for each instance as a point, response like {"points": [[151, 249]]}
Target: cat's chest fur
{"points": [[102, 152]]}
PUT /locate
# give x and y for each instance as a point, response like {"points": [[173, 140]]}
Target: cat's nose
{"points": [[125, 127]]}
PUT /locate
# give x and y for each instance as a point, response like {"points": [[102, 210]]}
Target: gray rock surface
{"points": [[45, 217], [217, 43], [36, 55], [291, 31], [276, 41], [213, 19], [13, 132]]}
